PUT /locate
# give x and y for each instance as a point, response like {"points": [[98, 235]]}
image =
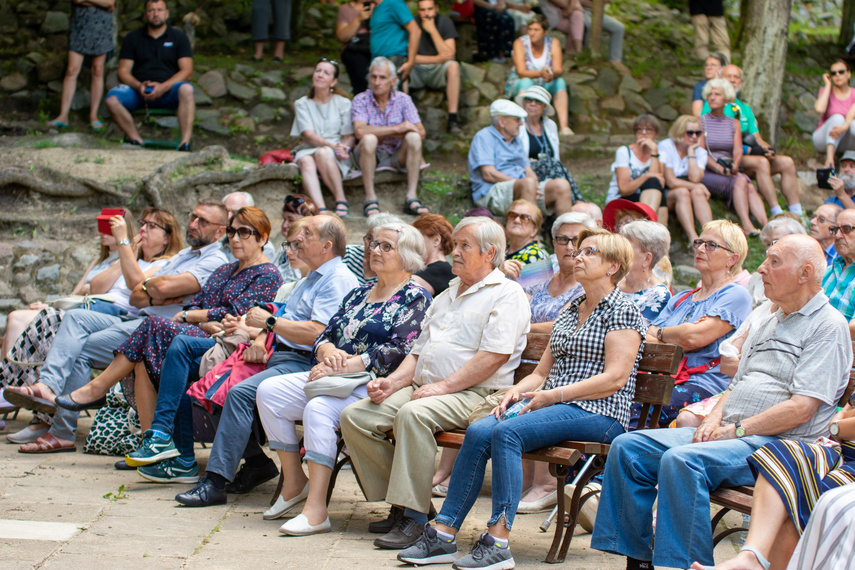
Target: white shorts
{"points": [[500, 196]]}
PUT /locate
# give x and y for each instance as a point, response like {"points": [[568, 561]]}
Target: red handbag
{"points": [[276, 157]]}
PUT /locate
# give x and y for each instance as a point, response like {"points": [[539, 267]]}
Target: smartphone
{"points": [[104, 219], [822, 176], [148, 90]]}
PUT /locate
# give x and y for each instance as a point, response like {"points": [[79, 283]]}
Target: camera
{"points": [[822, 176], [726, 163]]}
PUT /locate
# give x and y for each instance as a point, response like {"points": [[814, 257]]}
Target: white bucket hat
{"points": [[537, 93]]}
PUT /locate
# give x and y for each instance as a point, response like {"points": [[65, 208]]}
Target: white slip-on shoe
{"points": [[281, 507], [299, 526], [538, 505]]}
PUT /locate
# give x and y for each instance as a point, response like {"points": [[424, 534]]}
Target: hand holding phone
{"points": [[104, 219]]}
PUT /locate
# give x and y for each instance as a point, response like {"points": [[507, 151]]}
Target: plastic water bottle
{"points": [[514, 410], [746, 520]]}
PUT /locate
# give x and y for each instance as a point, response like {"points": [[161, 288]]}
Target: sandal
{"points": [[414, 207], [372, 206], [58, 125], [29, 398], [46, 444], [342, 209], [96, 125]]}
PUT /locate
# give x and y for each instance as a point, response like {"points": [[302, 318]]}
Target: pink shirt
{"points": [[837, 106]]}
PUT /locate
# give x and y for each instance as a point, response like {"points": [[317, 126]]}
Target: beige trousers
{"points": [[715, 26], [401, 474]]}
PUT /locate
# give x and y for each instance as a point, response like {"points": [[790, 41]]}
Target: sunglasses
{"points": [[838, 72], [709, 245], [146, 224], [564, 240], [330, 61], [845, 229], [243, 233], [585, 252], [203, 223], [511, 216], [694, 133], [527, 100]]}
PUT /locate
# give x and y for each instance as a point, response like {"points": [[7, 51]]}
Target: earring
{"points": [[609, 274]]}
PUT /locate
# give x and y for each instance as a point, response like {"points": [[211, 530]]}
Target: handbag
{"points": [[338, 385], [550, 169], [75, 301]]}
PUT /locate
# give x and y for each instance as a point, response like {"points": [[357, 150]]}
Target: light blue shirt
{"points": [[490, 149], [318, 297], [200, 263]]}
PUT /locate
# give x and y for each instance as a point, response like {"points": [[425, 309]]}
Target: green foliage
{"points": [[45, 144], [119, 494]]}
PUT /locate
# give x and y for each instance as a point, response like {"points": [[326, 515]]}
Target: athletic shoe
{"points": [[151, 450], [429, 548], [170, 471], [486, 555]]}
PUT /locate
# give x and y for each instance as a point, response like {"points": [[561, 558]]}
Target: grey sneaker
{"points": [[170, 471], [429, 548], [486, 555]]}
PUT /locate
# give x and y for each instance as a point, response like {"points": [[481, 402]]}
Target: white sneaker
{"points": [[299, 526]]}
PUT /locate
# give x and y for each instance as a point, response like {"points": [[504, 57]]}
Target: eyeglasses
{"points": [[564, 240], [203, 223], [694, 133], [645, 130], [147, 224], [821, 219], [384, 246], [846, 229], [292, 245], [511, 216], [585, 252], [243, 232], [709, 245], [329, 61], [838, 72]]}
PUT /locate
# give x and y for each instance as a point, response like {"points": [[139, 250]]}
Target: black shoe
{"points": [[406, 532], [387, 524], [248, 478], [203, 495], [66, 402], [184, 147], [453, 128], [122, 466]]}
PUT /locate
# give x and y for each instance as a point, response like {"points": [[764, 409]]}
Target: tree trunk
{"points": [[595, 35], [847, 20], [765, 54]]}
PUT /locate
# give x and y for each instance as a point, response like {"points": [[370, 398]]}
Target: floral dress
{"points": [[383, 331], [225, 293], [528, 254], [545, 307]]}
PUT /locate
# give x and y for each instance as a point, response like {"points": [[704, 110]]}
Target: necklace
{"points": [[324, 110], [545, 150]]}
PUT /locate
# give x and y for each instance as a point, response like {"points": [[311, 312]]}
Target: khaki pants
{"points": [[401, 474], [717, 26]]}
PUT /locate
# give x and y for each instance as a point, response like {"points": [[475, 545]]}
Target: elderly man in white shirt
{"points": [[471, 342]]}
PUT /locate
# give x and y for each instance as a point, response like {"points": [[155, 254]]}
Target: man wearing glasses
{"points": [[87, 339], [844, 183], [838, 283], [820, 223]]}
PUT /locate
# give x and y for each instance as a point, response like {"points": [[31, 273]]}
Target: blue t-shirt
{"points": [[489, 148], [732, 304], [836, 201], [698, 91], [388, 35]]}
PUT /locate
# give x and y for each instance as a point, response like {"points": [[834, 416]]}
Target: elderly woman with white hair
{"points": [[650, 242], [371, 333], [723, 138]]}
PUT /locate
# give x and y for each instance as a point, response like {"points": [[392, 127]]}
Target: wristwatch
{"points": [[125, 241], [271, 322], [184, 316], [740, 431], [834, 428]]}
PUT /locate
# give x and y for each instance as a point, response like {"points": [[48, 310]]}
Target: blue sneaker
{"points": [[170, 471], [151, 450]]}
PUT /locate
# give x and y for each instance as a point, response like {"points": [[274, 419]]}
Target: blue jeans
{"points": [[132, 100], [180, 369], [685, 473], [506, 441]]}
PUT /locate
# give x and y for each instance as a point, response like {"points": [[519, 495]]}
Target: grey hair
{"points": [[248, 200], [390, 65], [410, 246], [382, 219], [651, 237], [494, 120], [590, 208], [487, 233], [788, 224], [572, 218], [724, 85]]}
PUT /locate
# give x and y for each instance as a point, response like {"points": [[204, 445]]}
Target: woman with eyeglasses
{"points": [[712, 70], [122, 265], [322, 120], [581, 390], [637, 171], [701, 319], [685, 160], [293, 208], [522, 226], [836, 107], [723, 142], [372, 331], [232, 289]]}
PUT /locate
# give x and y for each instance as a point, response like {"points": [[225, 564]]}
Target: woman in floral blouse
{"points": [[522, 224], [650, 242], [373, 331]]}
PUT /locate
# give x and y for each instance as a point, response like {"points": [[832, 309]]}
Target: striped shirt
{"points": [[718, 133], [837, 286], [399, 108]]}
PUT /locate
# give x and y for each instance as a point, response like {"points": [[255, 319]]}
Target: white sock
{"points": [[446, 537], [502, 542], [775, 210], [796, 209]]}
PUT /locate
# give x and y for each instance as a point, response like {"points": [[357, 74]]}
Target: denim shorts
{"points": [[132, 100]]}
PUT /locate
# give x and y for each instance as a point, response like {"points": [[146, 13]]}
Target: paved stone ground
{"points": [[58, 502]]}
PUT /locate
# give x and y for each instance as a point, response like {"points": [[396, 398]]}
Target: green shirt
{"points": [[747, 121]]}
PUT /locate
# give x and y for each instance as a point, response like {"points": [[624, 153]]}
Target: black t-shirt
{"points": [[155, 59], [437, 275], [446, 30]]}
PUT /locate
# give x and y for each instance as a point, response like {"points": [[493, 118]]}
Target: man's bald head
{"points": [[733, 74], [793, 269]]}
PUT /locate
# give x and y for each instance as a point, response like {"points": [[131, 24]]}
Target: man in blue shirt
{"points": [[844, 183], [820, 223], [395, 34]]}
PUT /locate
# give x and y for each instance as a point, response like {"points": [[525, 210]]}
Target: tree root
{"points": [[56, 184], [159, 179]]}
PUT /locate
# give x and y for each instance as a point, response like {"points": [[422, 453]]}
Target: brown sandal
{"points": [[29, 398], [46, 444]]}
